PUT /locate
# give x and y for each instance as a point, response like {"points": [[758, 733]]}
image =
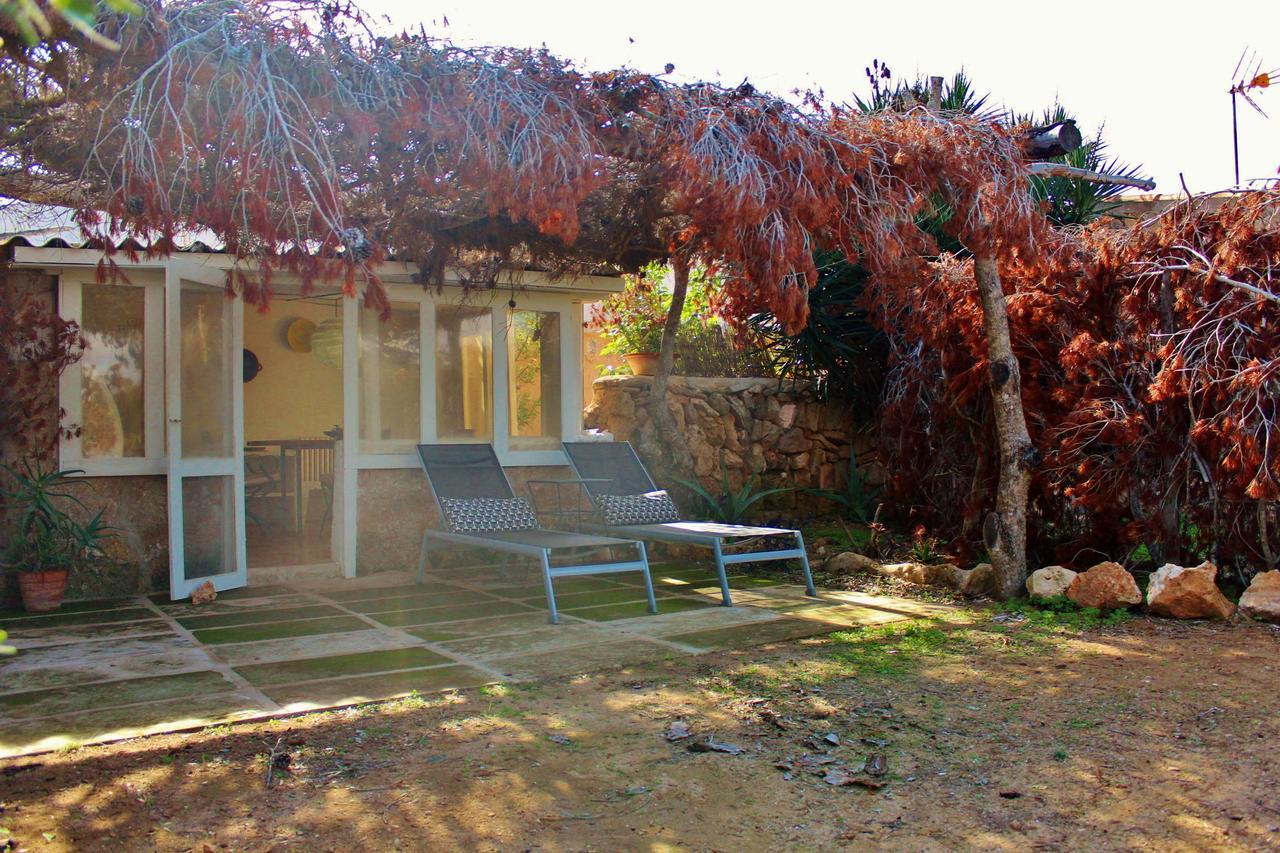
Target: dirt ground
{"points": [[996, 731]]}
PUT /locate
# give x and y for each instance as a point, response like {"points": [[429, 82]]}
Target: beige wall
{"points": [[295, 396]]}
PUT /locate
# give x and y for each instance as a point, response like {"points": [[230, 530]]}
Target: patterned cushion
{"points": [[467, 514], [648, 508]]}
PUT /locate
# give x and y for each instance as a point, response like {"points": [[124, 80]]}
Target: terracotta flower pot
{"points": [[642, 363], [42, 591]]}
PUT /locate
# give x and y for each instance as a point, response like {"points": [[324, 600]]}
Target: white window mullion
{"points": [[427, 368], [501, 382], [571, 367], [153, 367]]}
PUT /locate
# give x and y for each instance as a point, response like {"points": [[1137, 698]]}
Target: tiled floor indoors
{"points": [[97, 671]]}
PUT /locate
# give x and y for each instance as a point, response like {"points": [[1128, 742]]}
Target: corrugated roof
{"points": [[45, 226]]}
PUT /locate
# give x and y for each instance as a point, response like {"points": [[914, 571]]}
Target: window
{"points": [[115, 394], [464, 374], [112, 391], [533, 353], [390, 378]]}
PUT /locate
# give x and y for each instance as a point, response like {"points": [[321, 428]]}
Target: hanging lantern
{"points": [[326, 343]]}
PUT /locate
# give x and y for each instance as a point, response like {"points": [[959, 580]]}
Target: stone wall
{"points": [[782, 433]]}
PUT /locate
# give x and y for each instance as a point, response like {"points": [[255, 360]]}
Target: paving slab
{"points": [[686, 621], [418, 601], [8, 613], [80, 617], [298, 628], [631, 652], [592, 598], [431, 615], [33, 735], [335, 666], [108, 694], [493, 626], [636, 609], [296, 648], [78, 663], [368, 688], [75, 634], [545, 638], [752, 634], [235, 605], [257, 616], [371, 592]]}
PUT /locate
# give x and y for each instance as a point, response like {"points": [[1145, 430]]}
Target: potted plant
{"points": [[632, 321], [46, 542]]}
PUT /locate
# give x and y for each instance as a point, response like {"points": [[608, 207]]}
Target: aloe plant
{"points": [[731, 505]]}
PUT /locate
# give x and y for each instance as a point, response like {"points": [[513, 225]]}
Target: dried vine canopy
{"points": [[308, 142]]}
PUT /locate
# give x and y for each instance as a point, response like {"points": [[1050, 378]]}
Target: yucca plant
{"points": [[731, 505]]}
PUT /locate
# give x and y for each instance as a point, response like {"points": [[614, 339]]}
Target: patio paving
{"points": [[97, 671]]}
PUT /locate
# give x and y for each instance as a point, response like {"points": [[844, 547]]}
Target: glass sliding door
{"points": [[204, 401]]}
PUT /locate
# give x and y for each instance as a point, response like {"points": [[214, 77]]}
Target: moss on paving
{"points": [[610, 612], [358, 663], [10, 613], [373, 687], [369, 593], [481, 627], [429, 615], [61, 700], [90, 617], [257, 616], [442, 598], [617, 595], [298, 628]]}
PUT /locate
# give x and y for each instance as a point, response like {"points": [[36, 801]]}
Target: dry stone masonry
{"points": [[783, 434]]}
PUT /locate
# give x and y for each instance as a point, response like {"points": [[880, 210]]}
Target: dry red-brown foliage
{"points": [[305, 142], [1149, 359]]}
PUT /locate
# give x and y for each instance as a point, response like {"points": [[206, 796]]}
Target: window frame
{"points": [[567, 305], [70, 386]]}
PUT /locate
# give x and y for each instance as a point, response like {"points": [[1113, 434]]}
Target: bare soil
{"points": [[993, 734]]}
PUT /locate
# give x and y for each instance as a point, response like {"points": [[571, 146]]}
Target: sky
{"points": [[1154, 75]]}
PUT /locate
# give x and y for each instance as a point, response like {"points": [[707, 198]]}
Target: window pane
{"points": [[533, 348], [111, 391], [208, 534], [464, 374], [207, 371], [390, 359]]}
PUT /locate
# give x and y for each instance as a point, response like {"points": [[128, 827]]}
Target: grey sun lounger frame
{"points": [[613, 468], [471, 471]]}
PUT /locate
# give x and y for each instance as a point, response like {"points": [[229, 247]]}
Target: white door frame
{"points": [[179, 468]]}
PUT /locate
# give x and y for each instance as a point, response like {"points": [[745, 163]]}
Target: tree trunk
{"points": [[679, 457], [1005, 530], [1041, 143]]}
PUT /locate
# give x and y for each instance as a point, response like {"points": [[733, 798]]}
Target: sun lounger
{"points": [[478, 509], [633, 507]]}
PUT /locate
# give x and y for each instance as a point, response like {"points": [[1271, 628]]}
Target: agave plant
{"points": [[731, 505], [46, 536], [858, 499]]}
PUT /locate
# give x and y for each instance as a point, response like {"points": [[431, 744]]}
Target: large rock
{"points": [[851, 562], [1262, 599], [978, 581], [1049, 582], [1106, 586], [944, 575], [1188, 592]]}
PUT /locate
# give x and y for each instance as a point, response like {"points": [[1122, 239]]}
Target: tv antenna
{"points": [[1247, 81]]}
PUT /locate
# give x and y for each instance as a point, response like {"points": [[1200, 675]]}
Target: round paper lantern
{"points": [[326, 343]]}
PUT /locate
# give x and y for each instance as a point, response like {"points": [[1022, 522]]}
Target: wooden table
{"points": [[296, 446]]}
